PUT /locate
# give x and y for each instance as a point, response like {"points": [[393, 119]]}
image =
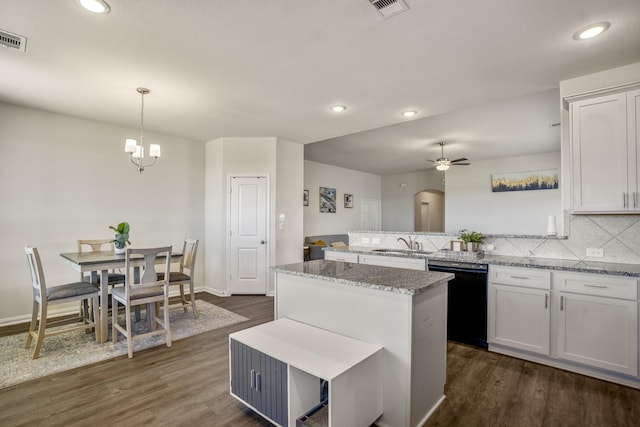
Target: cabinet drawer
{"points": [[596, 284], [527, 277], [341, 256]]}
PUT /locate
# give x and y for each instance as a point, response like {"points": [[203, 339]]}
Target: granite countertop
{"points": [[389, 279], [630, 270]]}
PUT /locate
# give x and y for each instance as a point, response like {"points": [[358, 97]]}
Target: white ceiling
{"points": [[272, 68]]}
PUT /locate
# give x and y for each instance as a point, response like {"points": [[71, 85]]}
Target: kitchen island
{"points": [[403, 311]]}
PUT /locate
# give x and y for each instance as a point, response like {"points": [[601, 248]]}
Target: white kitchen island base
{"points": [[410, 325]]}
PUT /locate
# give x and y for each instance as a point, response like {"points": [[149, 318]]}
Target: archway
{"points": [[429, 211]]}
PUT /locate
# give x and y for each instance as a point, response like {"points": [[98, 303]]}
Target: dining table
{"points": [[98, 264]]}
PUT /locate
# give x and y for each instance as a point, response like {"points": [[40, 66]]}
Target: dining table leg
{"points": [[104, 306]]}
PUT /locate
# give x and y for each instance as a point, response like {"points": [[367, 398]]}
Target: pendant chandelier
{"points": [[135, 149]]}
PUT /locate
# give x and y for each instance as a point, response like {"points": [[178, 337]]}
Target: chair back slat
{"points": [[35, 268], [149, 276], [188, 260], [95, 244]]}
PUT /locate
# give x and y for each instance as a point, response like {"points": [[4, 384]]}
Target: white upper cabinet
{"points": [[600, 155], [604, 153]]}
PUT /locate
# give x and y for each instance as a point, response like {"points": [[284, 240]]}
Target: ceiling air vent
{"points": [[387, 8], [13, 41]]}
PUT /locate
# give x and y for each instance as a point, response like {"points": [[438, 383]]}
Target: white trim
{"points": [[602, 91]]}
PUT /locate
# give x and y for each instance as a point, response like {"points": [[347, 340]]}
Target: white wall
{"points": [[64, 178], [398, 199], [362, 185], [280, 160], [470, 204]]}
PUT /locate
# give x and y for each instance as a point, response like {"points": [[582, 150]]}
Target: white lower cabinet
{"points": [[582, 322], [519, 308], [519, 318], [599, 326]]}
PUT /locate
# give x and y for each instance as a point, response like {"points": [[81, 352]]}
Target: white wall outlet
{"points": [[488, 247], [595, 252], [375, 241], [365, 240]]}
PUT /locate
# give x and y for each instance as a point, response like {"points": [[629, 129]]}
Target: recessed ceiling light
{"points": [[591, 31], [96, 6], [409, 113], [338, 108]]}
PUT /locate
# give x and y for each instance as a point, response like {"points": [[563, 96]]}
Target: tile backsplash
{"points": [[617, 235]]}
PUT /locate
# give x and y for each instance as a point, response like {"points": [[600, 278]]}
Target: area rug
{"points": [[74, 349]]}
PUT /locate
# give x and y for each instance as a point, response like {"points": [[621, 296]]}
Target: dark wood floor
{"points": [[188, 385]]}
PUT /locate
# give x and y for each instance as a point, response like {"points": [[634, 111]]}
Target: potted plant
{"points": [[472, 239], [122, 237]]}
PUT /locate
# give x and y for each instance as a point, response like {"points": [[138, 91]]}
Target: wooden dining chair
{"points": [[184, 276], [100, 245], [44, 296], [147, 290]]}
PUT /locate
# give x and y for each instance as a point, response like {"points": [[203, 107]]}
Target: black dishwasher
{"points": [[467, 301]]}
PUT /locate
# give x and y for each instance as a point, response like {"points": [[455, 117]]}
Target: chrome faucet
{"points": [[408, 244], [411, 244]]}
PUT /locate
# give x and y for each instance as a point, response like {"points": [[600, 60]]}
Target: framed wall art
{"points": [[348, 201], [546, 179], [327, 200], [305, 198]]}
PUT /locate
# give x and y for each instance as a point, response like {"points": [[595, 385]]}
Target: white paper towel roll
{"points": [[551, 225]]}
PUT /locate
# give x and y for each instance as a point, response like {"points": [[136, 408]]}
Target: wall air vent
{"points": [[13, 41], [388, 8]]}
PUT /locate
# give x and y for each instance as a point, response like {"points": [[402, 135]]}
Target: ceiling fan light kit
{"points": [[443, 163]]}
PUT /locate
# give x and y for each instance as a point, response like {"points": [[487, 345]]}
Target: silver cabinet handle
{"points": [[624, 200], [595, 286], [635, 200], [258, 381], [520, 277], [561, 303], [253, 378], [546, 298]]}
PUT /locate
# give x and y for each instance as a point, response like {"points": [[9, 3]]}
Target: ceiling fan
{"points": [[443, 163]]}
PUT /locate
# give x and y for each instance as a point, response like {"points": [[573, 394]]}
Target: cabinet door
{"points": [[259, 380], [599, 163], [598, 331], [519, 318], [633, 135]]}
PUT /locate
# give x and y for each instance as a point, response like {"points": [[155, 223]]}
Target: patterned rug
{"points": [[74, 349]]}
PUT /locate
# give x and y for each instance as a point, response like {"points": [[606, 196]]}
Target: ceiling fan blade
{"points": [[429, 160], [460, 164], [461, 159]]}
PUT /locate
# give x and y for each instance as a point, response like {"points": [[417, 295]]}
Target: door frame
{"points": [[267, 254]]}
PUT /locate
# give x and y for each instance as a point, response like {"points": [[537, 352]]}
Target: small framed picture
{"points": [[348, 200], [305, 198], [327, 200]]}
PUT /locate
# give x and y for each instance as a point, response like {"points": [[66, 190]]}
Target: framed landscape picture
{"points": [[348, 200], [305, 198], [327, 200]]}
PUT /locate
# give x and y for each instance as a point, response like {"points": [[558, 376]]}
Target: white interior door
{"points": [[248, 235]]}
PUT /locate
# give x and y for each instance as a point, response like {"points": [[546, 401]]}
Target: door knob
{"points": [[262, 242]]}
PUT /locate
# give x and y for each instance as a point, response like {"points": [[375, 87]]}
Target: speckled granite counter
{"points": [[630, 270], [398, 280]]}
